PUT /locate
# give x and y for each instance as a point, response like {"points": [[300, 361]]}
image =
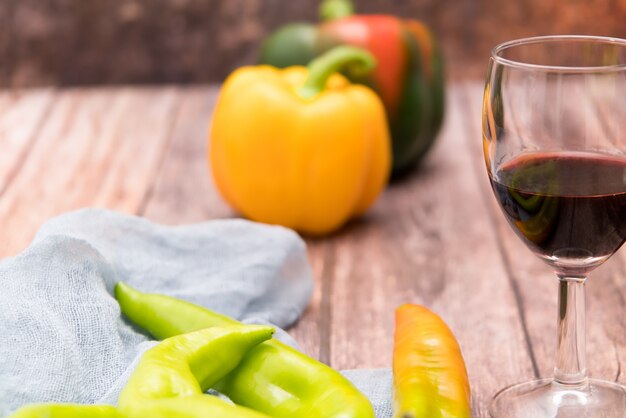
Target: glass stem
{"points": [[571, 366]]}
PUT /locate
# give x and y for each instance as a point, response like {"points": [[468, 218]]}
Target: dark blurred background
{"points": [[74, 42]]}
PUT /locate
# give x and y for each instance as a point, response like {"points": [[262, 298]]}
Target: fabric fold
{"points": [[65, 340]]}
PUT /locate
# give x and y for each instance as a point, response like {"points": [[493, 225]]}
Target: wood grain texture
{"points": [[21, 117], [429, 240], [537, 286], [95, 148], [184, 191], [72, 42], [311, 331], [436, 238]]}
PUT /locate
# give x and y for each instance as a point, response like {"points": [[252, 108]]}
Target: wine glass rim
{"points": [[495, 53]]}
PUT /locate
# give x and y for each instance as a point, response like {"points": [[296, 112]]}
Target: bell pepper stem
{"points": [[359, 61], [335, 9]]}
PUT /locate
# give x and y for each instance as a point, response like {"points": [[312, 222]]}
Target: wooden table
{"points": [[436, 238]]}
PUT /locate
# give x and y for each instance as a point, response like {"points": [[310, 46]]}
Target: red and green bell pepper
{"points": [[409, 77]]}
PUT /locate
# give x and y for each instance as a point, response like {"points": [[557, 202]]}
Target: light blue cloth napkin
{"points": [[62, 338]]}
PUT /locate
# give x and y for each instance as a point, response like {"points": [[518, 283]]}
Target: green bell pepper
{"points": [[293, 42]]}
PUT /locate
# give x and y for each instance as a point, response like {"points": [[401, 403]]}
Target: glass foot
{"points": [[547, 399]]}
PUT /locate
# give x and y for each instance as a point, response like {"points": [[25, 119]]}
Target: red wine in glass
{"points": [[554, 113], [568, 207]]}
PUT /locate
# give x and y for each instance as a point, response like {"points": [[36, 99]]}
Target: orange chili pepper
{"points": [[429, 375]]}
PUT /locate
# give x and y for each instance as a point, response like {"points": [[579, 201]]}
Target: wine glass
{"points": [[554, 140]]}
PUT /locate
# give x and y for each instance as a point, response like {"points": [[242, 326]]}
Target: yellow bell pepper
{"points": [[301, 147]]}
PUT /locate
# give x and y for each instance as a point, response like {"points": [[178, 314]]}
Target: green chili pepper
{"points": [[66, 411], [171, 378], [194, 406], [272, 378]]}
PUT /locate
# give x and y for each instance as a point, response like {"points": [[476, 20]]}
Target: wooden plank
{"points": [[609, 103], [184, 191], [531, 271], [606, 345], [142, 135], [308, 330], [429, 240], [97, 147], [432, 239], [21, 116], [7, 99]]}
